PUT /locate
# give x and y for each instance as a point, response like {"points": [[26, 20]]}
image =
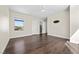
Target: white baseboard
{"points": [[5, 47], [25, 35], [59, 36], [20, 36]]}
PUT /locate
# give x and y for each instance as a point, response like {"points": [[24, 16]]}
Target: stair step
{"points": [[73, 47]]}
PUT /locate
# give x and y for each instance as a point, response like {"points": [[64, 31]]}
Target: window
{"points": [[19, 24]]}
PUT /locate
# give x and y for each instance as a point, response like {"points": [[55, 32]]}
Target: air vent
{"points": [[56, 21]]}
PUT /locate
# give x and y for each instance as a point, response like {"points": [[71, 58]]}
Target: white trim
{"points": [[58, 36], [20, 36], [5, 47]]}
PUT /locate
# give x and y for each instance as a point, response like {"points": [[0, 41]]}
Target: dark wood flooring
{"points": [[37, 44]]}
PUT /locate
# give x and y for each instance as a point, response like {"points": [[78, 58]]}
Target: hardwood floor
{"points": [[37, 44]]}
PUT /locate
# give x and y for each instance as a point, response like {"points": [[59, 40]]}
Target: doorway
{"points": [[43, 26]]}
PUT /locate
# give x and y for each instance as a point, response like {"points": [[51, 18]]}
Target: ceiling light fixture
{"points": [[43, 10]]}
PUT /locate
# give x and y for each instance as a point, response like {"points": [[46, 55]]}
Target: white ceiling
{"points": [[38, 10]]}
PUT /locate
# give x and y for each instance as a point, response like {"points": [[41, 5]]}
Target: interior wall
{"points": [[31, 25], [4, 27], [62, 28], [36, 26], [74, 24], [74, 19]]}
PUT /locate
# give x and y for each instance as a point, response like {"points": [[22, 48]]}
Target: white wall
{"points": [[74, 24], [36, 26], [4, 27], [74, 19], [75, 37], [30, 25], [60, 29]]}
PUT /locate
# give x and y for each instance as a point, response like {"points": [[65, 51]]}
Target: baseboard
{"points": [[25, 36], [59, 37], [39, 34], [20, 36], [5, 46]]}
